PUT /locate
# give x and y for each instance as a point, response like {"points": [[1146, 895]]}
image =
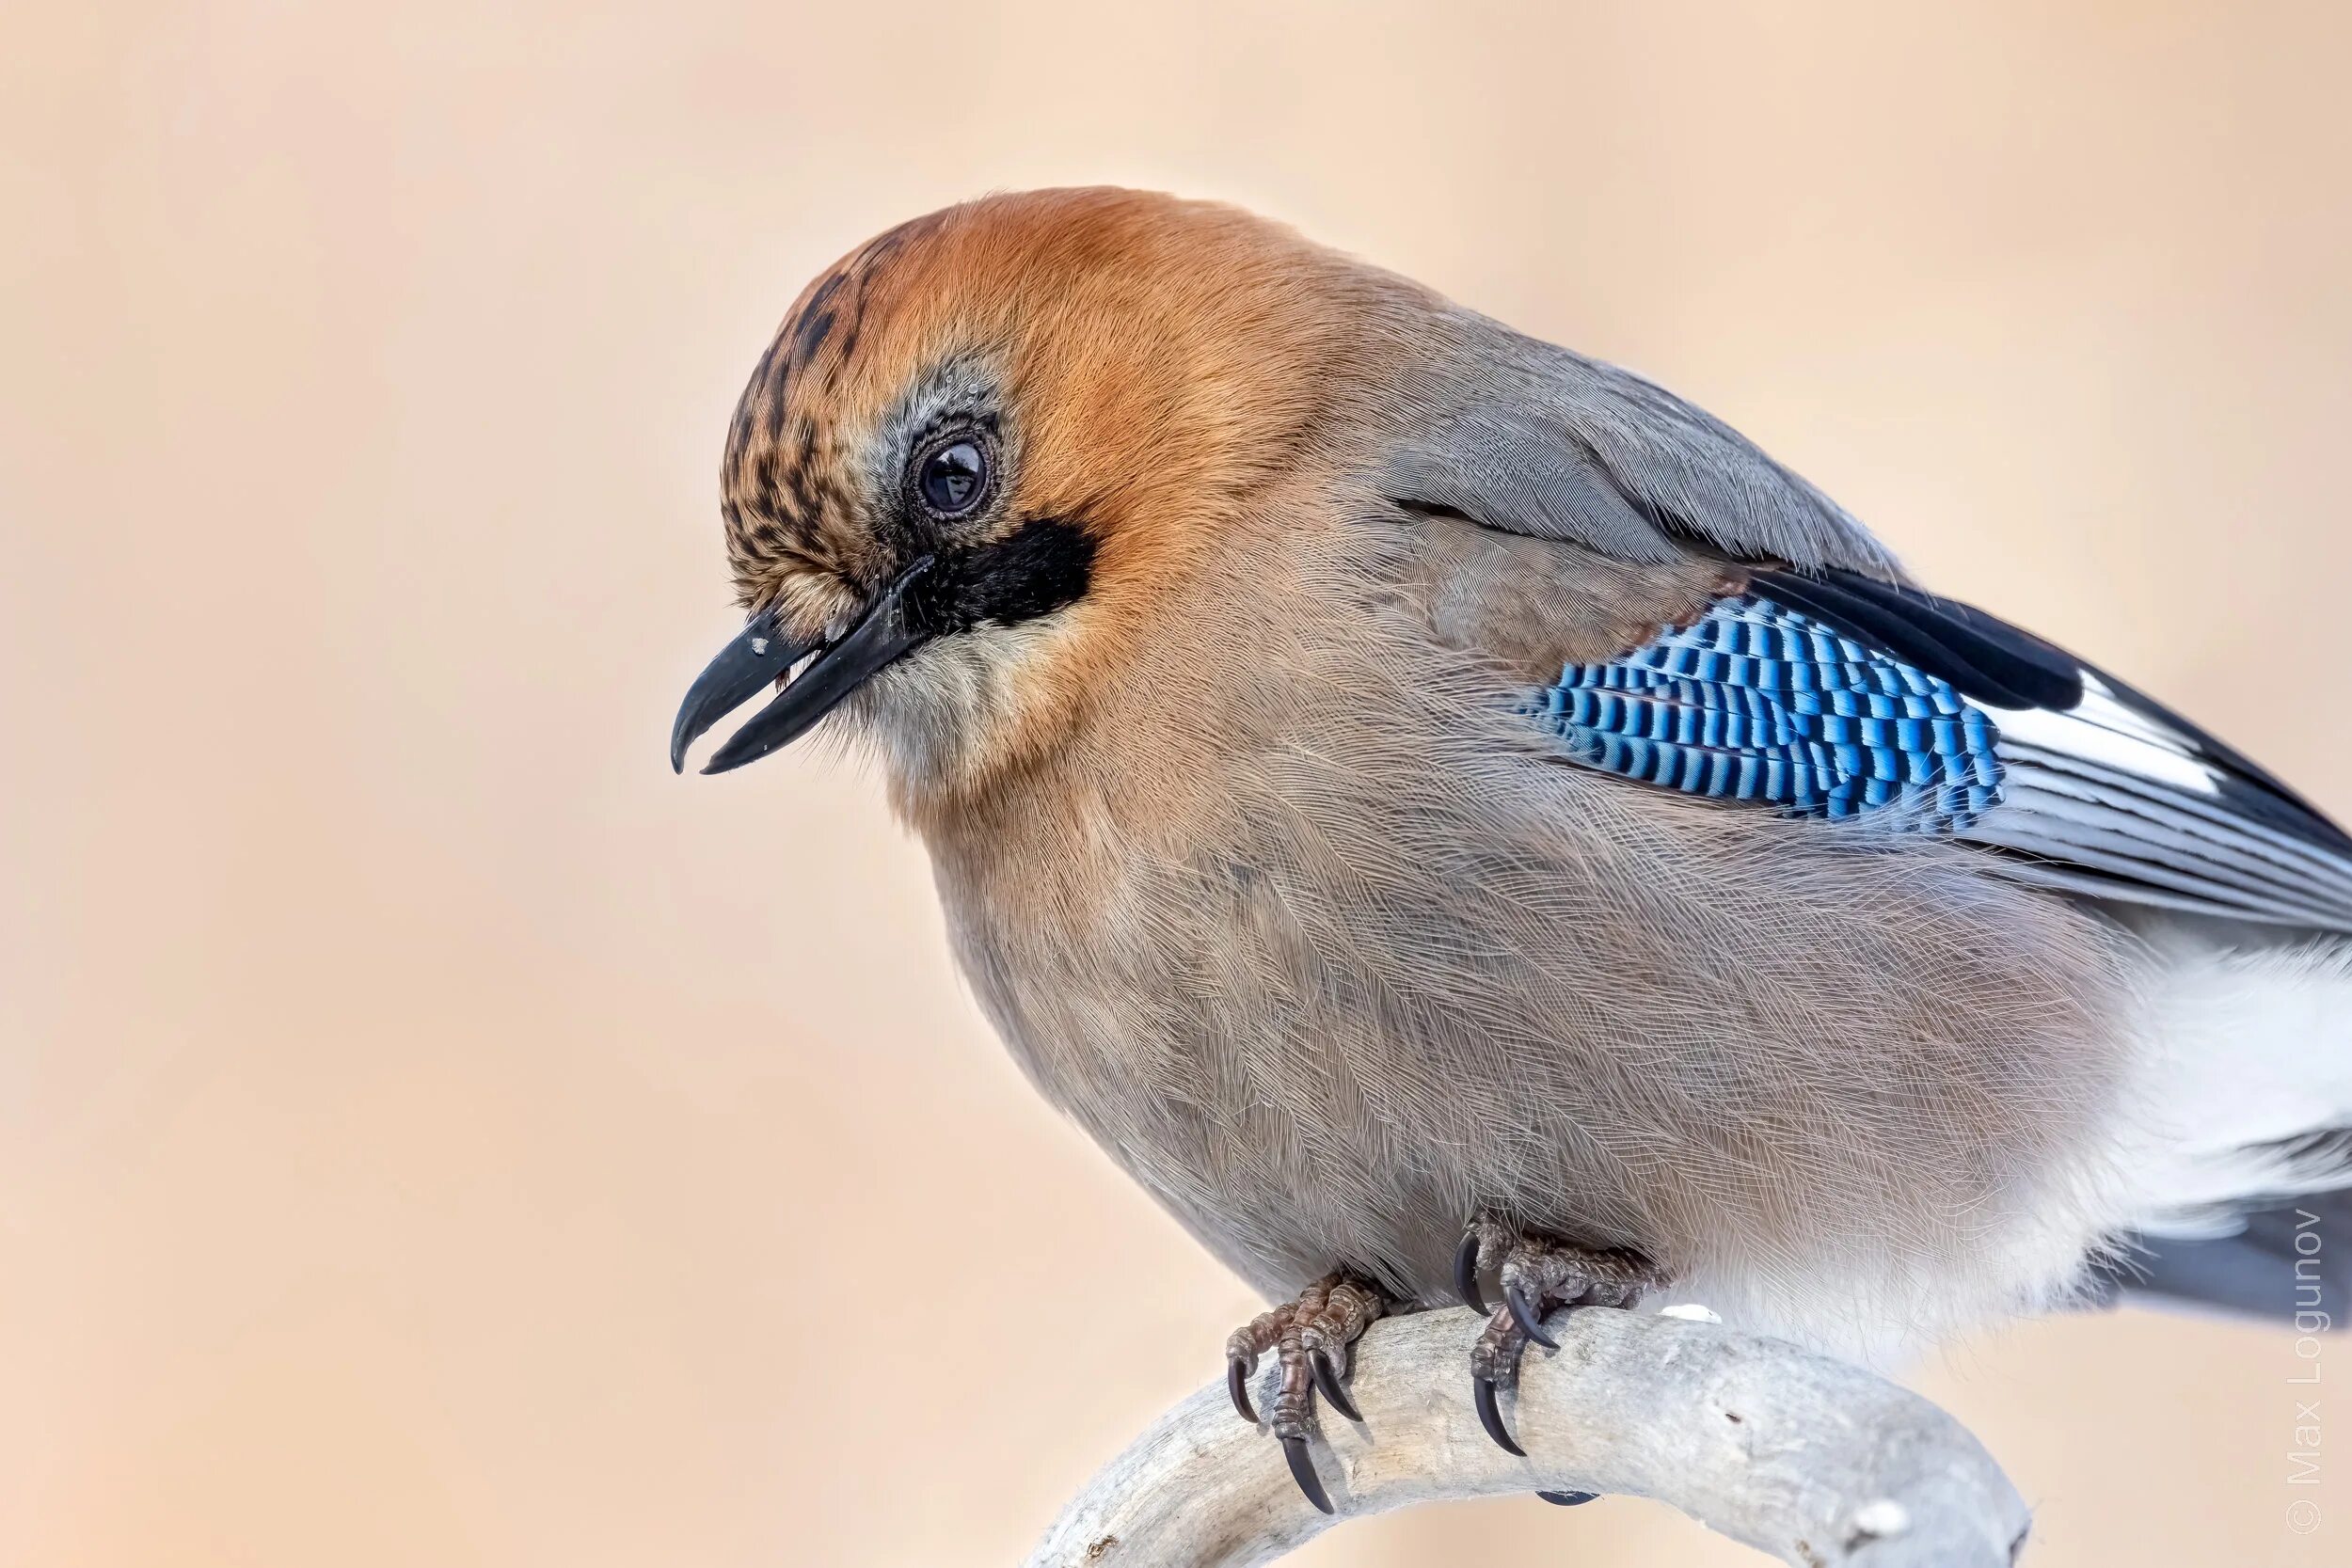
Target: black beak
{"points": [[759, 656]]}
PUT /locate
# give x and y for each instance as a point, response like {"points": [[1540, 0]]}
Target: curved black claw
{"points": [[1328, 1378], [1237, 1384], [1531, 1322], [1303, 1472], [1466, 1275], [1491, 1417], [1568, 1499]]}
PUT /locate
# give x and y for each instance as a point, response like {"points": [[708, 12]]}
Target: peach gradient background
{"points": [[432, 1134]]}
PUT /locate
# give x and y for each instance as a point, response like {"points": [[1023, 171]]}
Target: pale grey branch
{"points": [[1808, 1459]]}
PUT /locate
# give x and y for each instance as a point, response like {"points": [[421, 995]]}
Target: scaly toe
{"points": [[1537, 1276], [1308, 1337]]}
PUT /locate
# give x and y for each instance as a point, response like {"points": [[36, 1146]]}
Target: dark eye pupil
{"points": [[952, 477]]}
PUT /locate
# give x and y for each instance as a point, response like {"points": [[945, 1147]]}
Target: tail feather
{"points": [[2292, 1264], [2241, 1165]]}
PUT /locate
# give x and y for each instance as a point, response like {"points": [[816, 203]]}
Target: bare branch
{"points": [[1810, 1460]]}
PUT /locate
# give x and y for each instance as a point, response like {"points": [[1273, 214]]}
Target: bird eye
{"points": [[953, 479]]}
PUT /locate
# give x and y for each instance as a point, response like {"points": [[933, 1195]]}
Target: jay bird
{"points": [[1444, 814]]}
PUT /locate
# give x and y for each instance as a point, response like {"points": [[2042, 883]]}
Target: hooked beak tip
{"points": [[760, 655], [755, 658]]}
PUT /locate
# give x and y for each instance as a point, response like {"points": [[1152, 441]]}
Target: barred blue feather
{"points": [[1760, 703]]}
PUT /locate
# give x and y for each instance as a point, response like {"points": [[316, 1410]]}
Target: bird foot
{"points": [[1314, 1339], [1536, 1275]]}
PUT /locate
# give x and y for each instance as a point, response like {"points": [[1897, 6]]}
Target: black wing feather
{"points": [[2107, 793]]}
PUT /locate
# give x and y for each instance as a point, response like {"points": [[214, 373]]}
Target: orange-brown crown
{"points": [[1153, 357]]}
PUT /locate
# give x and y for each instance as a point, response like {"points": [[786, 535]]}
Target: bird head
{"points": [[979, 445]]}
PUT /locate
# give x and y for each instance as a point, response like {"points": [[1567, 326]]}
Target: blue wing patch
{"points": [[1759, 703]]}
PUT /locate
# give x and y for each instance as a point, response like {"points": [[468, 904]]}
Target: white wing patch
{"points": [[2104, 730], [2107, 794]]}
